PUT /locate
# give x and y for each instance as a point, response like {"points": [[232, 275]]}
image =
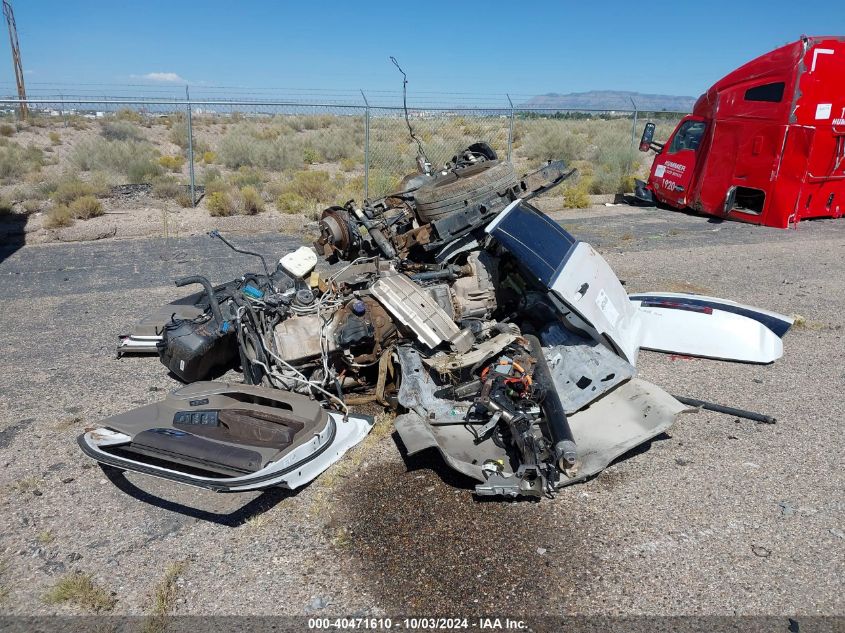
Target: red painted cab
{"points": [[765, 144]]}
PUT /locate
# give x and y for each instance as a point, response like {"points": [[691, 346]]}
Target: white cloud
{"points": [[170, 77]]}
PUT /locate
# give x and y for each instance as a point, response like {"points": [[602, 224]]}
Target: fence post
{"points": [[634, 125], [190, 147], [510, 129], [366, 146]]}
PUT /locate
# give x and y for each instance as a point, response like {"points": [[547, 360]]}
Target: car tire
{"points": [[459, 189]]}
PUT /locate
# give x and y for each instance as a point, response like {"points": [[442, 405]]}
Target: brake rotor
{"points": [[335, 235]]}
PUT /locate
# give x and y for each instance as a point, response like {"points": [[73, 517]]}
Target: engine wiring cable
{"points": [[420, 150]]}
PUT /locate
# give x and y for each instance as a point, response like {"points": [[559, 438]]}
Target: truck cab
{"points": [[765, 144]]}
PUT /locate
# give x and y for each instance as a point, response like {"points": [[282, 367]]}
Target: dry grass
{"points": [[309, 192], [121, 131], [172, 163], [251, 201], [46, 537], [220, 204], [58, 217], [85, 208], [16, 161], [802, 323], [133, 160], [167, 187], [81, 590], [69, 189], [31, 206], [164, 599], [271, 154]]}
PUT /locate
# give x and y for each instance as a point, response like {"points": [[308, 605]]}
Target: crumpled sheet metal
{"points": [[582, 369], [633, 413]]}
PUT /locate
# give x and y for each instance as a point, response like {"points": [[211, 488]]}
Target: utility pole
{"points": [[16, 56]]}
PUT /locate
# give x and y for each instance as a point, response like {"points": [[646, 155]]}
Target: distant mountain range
{"points": [[610, 100]]}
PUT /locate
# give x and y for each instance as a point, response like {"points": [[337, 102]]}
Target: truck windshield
{"points": [[688, 136]]}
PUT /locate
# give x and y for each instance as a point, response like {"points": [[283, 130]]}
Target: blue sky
{"points": [[460, 47]]}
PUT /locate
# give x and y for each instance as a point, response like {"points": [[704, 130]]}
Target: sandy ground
{"points": [[717, 517]]}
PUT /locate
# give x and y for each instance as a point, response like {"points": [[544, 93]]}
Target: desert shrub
{"points": [[7, 130], [6, 206], [220, 203], [167, 187], [576, 195], [240, 147], [55, 139], [209, 157], [86, 207], [69, 189], [179, 133], [120, 131], [172, 163], [348, 164], [31, 205], [212, 173], [381, 183], [134, 160], [248, 177], [312, 185], [58, 217], [343, 139], [290, 202], [615, 166], [310, 155], [16, 160], [546, 140], [184, 200], [127, 114], [251, 202], [308, 191]]}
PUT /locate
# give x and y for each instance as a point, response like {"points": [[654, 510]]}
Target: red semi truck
{"points": [[765, 144]]}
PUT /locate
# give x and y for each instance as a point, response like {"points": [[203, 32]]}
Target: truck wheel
{"points": [[456, 191]]}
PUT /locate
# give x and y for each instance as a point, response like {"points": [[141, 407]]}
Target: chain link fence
{"points": [[310, 155]]}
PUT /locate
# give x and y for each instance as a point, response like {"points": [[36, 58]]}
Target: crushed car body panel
{"points": [[713, 328], [227, 438]]}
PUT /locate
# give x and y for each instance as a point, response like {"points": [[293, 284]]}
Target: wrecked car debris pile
{"points": [[501, 340]]}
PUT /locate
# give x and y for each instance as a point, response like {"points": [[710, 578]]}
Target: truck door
{"points": [[672, 170]]}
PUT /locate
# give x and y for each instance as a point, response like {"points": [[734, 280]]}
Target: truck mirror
{"points": [[648, 136]]}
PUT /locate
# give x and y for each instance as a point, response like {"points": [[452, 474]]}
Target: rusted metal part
{"points": [[416, 237], [385, 368]]}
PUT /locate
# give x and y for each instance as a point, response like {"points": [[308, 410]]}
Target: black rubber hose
{"points": [[212, 300], [718, 408], [243, 251], [562, 439]]}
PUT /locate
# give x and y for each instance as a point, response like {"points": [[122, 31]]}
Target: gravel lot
{"points": [[716, 517]]}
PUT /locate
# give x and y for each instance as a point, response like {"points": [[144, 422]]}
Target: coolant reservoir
{"points": [[300, 262]]}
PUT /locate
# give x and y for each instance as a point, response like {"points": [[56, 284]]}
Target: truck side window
{"points": [[773, 93], [688, 136]]}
